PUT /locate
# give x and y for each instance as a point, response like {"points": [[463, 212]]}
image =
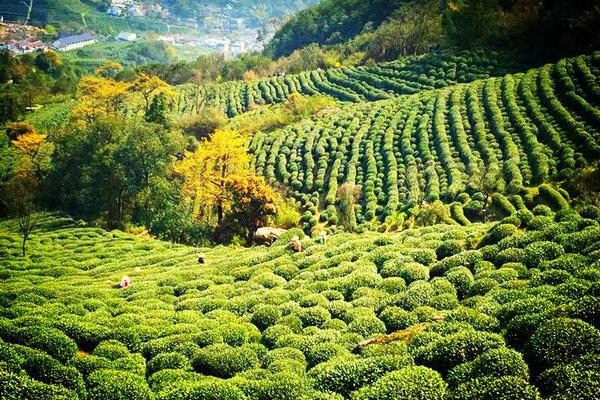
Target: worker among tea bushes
{"points": [[295, 244], [201, 258], [125, 282]]}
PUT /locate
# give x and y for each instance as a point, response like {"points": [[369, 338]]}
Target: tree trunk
{"points": [[220, 213], [485, 207], [23, 245]]}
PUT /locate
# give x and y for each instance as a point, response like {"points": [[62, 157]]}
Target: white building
{"points": [[74, 42], [115, 11], [127, 36]]}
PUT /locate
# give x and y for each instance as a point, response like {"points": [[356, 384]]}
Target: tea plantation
{"points": [[486, 311], [354, 84], [522, 128]]}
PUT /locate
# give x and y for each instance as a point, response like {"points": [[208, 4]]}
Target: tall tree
{"points": [[253, 203], [206, 172], [21, 200], [147, 86]]}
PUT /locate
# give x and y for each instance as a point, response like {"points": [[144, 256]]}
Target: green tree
{"points": [[159, 109], [100, 168], [20, 196], [469, 23]]}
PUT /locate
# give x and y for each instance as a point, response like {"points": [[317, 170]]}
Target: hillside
{"points": [[471, 312], [440, 144], [354, 84], [75, 16], [329, 22]]}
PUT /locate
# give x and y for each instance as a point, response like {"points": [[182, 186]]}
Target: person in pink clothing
{"points": [[125, 282]]}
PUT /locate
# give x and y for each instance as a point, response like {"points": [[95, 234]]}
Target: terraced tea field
{"points": [[470, 311], [522, 128], [353, 84]]}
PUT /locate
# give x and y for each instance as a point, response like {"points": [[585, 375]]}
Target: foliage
{"points": [[406, 383]]}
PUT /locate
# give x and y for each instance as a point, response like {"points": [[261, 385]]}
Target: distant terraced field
{"points": [[354, 84]]}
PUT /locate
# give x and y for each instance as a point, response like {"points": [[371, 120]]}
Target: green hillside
{"points": [[523, 129], [473, 313], [354, 84], [75, 16], [329, 22]]}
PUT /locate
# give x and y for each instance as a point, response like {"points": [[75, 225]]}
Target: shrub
{"points": [[46, 369], [542, 210], [278, 386], [367, 326], [537, 252], [322, 352], [520, 328], [490, 388], [396, 318], [392, 285], [497, 363], [587, 309], [447, 352], [497, 233], [166, 377], [88, 364], [346, 374], [465, 259], [448, 248], [19, 387], [50, 340], [462, 279], [40, 391], [413, 271], [284, 353], [561, 340], [111, 349], [272, 333], [409, 383], [10, 359], [418, 294], [212, 389], [314, 316], [580, 378], [236, 334], [482, 286], [569, 262], [476, 319], [224, 361], [553, 196], [167, 361]]}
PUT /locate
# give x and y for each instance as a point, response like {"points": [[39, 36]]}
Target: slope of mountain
{"points": [[330, 22], [441, 144], [74, 15]]}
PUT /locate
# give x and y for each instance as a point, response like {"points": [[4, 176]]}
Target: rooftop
{"points": [[67, 40]]}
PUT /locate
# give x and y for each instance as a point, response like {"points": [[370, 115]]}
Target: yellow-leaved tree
{"points": [[206, 171], [32, 153], [99, 96], [148, 86]]}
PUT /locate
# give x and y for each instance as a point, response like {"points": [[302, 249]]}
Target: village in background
{"points": [[217, 29]]}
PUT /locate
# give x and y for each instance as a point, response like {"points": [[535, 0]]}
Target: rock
{"points": [[267, 235]]}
